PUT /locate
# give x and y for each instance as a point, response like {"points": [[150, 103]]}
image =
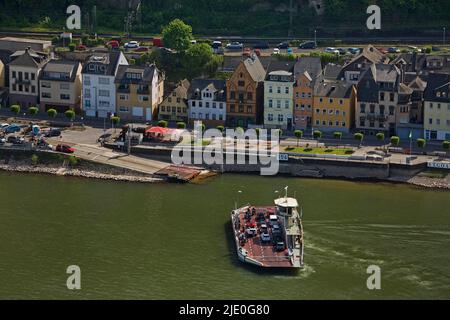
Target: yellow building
{"points": [[334, 106], [175, 107], [139, 91]]}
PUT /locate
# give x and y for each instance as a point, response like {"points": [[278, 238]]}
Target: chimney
{"points": [[27, 49]]}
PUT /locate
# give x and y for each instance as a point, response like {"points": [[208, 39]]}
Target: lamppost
{"points": [[444, 36], [315, 37]]}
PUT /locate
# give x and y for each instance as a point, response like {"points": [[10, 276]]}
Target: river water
{"points": [[136, 241]]}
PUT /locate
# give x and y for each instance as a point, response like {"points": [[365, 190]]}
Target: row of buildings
{"points": [[369, 94], [103, 85]]}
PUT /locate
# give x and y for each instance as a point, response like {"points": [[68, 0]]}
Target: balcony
{"points": [[143, 90], [123, 89]]}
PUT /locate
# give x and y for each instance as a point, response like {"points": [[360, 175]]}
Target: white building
{"points": [[207, 101], [279, 100], [99, 89]]}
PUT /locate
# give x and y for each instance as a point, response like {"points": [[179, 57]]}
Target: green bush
{"points": [[220, 128], [33, 110], [163, 123], [421, 143], [52, 113], [73, 161], [337, 135], [72, 47], [70, 114], [181, 125], [395, 140], [15, 109], [115, 120], [380, 136], [358, 136], [34, 159], [317, 134], [446, 145]]}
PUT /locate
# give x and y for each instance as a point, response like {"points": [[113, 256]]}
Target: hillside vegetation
{"points": [[232, 17]]}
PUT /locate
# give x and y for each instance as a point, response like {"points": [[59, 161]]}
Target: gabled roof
{"points": [[147, 74], [418, 84], [368, 87], [279, 65], [198, 85], [102, 63], [28, 58], [333, 89], [255, 68], [332, 71], [311, 65], [62, 66], [372, 54], [437, 81]]}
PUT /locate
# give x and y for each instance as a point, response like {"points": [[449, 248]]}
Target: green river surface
{"points": [[168, 241]]}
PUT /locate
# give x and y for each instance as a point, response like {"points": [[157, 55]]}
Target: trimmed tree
{"points": [[337, 135], [181, 125], [52, 113], [15, 109], [115, 121], [163, 123], [220, 128], [446, 145], [421, 143], [298, 134], [70, 114], [395, 140], [359, 137], [33, 111], [317, 134]]}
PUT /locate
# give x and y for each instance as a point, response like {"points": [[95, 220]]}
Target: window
{"points": [[192, 103], [438, 122], [324, 123], [143, 98], [337, 112], [270, 89], [280, 118], [193, 115], [278, 104], [391, 110], [270, 117], [232, 95], [382, 109], [214, 105], [163, 108], [46, 85], [14, 74], [65, 96], [331, 111], [270, 103], [278, 89], [363, 108], [337, 123], [392, 97], [317, 111], [87, 103], [46, 95], [344, 124], [430, 121], [220, 117], [249, 109], [372, 108], [33, 89], [330, 123], [382, 96], [286, 104], [232, 108], [103, 93], [317, 122], [286, 90], [123, 97], [64, 86], [324, 111], [241, 83], [126, 109], [104, 81], [33, 76], [250, 96]]}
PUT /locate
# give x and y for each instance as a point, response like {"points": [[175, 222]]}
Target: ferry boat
{"points": [[270, 237]]}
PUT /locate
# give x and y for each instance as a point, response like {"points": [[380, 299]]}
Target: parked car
{"points": [[157, 42], [216, 44], [265, 237], [393, 50], [81, 47], [53, 133], [141, 49], [261, 45], [290, 51], [235, 46], [331, 50], [383, 50], [342, 51], [308, 45], [15, 140], [276, 51], [113, 44], [132, 45], [13, 128], [283, 45], [354, 50], [64, 148], [2, 140], [4, 126], [193, 41]]}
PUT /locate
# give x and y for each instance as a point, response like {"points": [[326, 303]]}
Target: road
{"points": [[86, 147]]}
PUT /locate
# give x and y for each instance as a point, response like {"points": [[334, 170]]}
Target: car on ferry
{"points": [[13, 128], [265, 238]]}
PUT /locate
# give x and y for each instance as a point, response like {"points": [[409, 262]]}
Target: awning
{"points": [[158, 130]]}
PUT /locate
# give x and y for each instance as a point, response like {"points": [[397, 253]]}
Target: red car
{"points": [[141, 49], [113, 44], [81, 47], [64, 148]]}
